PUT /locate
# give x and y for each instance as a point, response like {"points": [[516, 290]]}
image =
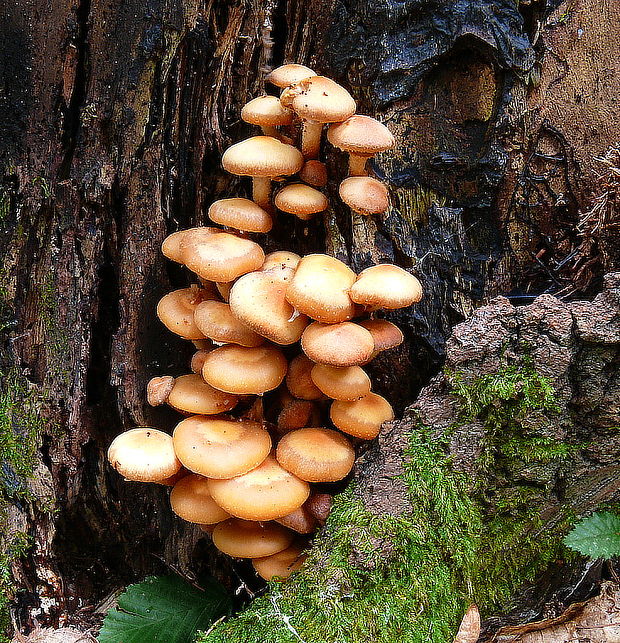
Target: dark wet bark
{"points": [[115, 115]]}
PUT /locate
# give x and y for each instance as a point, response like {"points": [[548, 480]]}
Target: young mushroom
{"points": [[288, 74], [268, 113], [301, 200], [190, 499], [158, 389], [362, 418], [281, 565], [240, 214], [364, 195], [314, 173], [385, 286], [341, 383], [246, 539]]}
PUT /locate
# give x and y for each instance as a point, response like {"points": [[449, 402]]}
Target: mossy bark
{"points": [[115, 116]]}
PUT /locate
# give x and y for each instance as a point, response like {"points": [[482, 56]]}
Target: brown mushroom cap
{"points": [[220, 448], [281, 565], [191, 394], [319, 505], [341, 383], [265, 493], [198, 360], [216, 321], [296, 414], [171, 246], [299, 381], [246, 539], [361, 135], [262, 156], [258, 300], [289, 74], [144, 455], [158, 389], [300, 520], [362, 418], [316, 454], [176, 311], [386, 334], [240, 214], [314, 173], [245, 371], [364, 195], [386, 286], [281, 259], [221, 256], [266, 110], [344, 344], [301, 200], [320, 289], [319, 99], [190, 499]]}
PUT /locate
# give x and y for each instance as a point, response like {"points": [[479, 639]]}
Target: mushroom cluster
{"points": [[277, 400]]}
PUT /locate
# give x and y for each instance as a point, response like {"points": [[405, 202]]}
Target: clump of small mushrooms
{"points": [[277, 399]]}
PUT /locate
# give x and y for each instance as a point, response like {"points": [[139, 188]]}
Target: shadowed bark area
{"points": [[112, 139]]}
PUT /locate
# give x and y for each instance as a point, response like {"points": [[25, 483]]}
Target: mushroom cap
{"points": [[319, 505], [220, 447], [216, 320], [144, 455], [299, 381], [191, 394], [386, 334], [190, 499], [341, 383], [319, 99], [245, 371], [176, 311], [360, 135], [320, 289], [262, 156], [247, 539], [281, 565], [266, 110], [314, 173], [344, 344], [300, 520], [362, 418], [316, 454], [171, 246], [198, 360], [223, 288], [158, 389], [220, 257], [386, 286], [240, 214], [258, 300], [281, 259], [289, 74], [296, 414], [364, 195], [301, 200], [265, 493]]}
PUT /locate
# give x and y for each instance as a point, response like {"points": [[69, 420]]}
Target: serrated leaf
{"points": [[164, 609], [597, 536]]}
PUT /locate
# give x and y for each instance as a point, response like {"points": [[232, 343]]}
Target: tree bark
{"points": [[116, 114]]}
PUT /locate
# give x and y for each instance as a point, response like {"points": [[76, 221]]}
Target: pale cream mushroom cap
{"points": [[266, 110], [216, 321], [143, 455], [191, 394], [190, 499], [344, 344], [386, 286], [364, 195], [262, 156], [220, 447], [362, 418], [289, 74], [240, 214], [247, 539]]}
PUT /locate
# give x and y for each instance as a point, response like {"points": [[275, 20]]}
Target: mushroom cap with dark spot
{"points": [[319, 99], [191, 394], [281, 259]]}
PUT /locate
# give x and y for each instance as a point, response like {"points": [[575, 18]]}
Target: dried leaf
{"points": [[469, 631]]}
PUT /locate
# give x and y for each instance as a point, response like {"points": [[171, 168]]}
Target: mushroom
{"points": [[317, 100], [364, 195], [362, 137], [316, 454], [300, 520], [344, 344], [216, 321], [220, 257], [385, 286], [144, 455], [198, 360], [362, 418], [288, 74], [190, 499], [267, 492], [319, 505], [281, 259], [278, 567], [341, 383], [223, 288], [171, 246], [296, 414], [299, 381], [320, 289], [268, 113], [192, 395], [158, 389], [263, 158], [258, 300], [246, 539], [240, 214], [301, 200], [245, 371], [314, 173], [385, 334], [176, 311], [220, 447]]}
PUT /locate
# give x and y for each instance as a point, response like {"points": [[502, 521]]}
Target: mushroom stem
{"points": [[311, 139], [270, 130], [261, 191], [357, 165]]}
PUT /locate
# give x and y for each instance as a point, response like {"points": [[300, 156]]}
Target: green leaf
{"points": [[164, 609], [597, 536]]}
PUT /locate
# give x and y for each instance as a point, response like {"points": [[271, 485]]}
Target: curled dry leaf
{"points": [[469, 630]]}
